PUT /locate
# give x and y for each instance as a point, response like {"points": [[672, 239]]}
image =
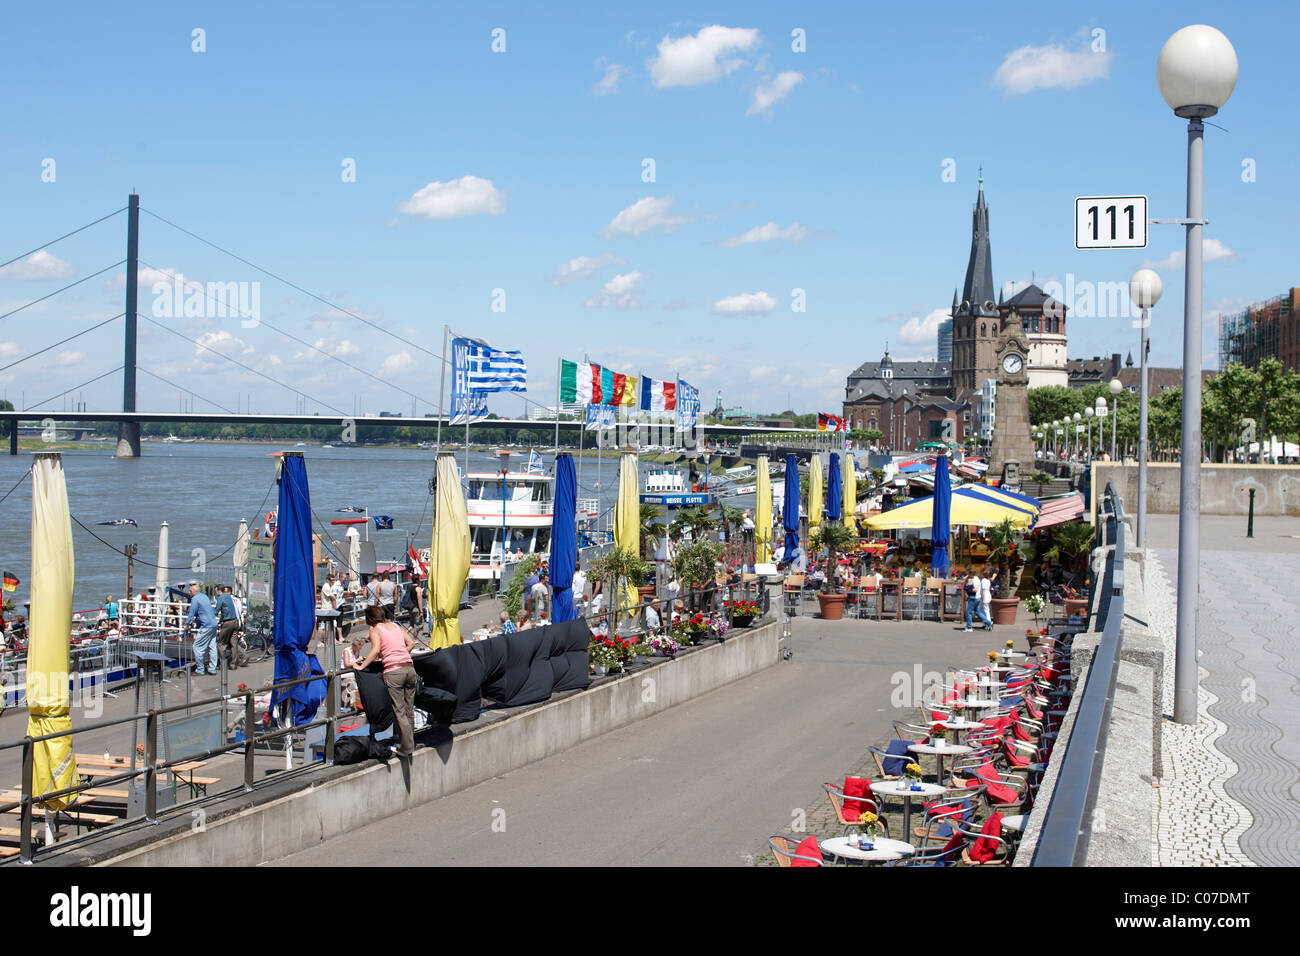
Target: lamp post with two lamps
{"points": [[1115, 387]]}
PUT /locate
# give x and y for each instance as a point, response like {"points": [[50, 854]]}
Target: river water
{"points": [[202, 490]]}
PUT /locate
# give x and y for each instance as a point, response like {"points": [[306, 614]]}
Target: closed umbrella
{"points": [[240, 559], [762, 513], [814, 495], [850, 489], [834, 490], [449, 556], [627, 514], [564, 540], [49, 699], [354, 558], [294, 594], [161, 579], [790, 510], [940, 514]]}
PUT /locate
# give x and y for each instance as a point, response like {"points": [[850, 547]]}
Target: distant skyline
{"points": [[752, 197]]}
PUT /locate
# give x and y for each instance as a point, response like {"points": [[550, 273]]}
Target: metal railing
{"points": [[151, 766], [1066, 830]]}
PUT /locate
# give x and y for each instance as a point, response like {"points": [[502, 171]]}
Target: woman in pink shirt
{"points": [[393, 644]]}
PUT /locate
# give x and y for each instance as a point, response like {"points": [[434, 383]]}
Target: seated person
{"points": [[522, 623], [652, 622]]}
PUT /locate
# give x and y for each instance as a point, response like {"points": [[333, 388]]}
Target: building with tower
{"points": [[1042, 319], [975, 319]]}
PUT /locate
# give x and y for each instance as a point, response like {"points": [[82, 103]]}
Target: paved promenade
{"points": [[701, 784], [1231, 791]]}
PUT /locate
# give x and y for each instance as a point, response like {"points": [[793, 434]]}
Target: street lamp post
{"points": [[1115, 387], [1075, 418], [1196, 73], [1088, 413], [1144, 289], [1101, 424]]}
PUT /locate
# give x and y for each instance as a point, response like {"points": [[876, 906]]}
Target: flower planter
{"points": [[742, 620], [600, 670], [1003, 610], [1076, 606], [832, 606]]}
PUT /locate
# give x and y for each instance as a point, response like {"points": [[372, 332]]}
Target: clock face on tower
{"points": [[1012, 363]]}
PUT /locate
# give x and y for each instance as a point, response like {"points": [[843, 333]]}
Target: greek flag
{"points": [[494, 370]]}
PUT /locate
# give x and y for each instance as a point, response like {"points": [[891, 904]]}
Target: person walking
{"points": [[986, 596], [205, 642], [393, 644], [747, 528], [539, 598], [387, 595], [228, 635]]}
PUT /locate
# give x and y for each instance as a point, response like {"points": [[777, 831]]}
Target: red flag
{"points": [[421, 567]]}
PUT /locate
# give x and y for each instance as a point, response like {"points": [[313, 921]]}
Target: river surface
{"points": [[202, 490]]}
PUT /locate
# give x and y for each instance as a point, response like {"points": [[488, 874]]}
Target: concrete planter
{"points": [[1003, 610], [832, 606]]}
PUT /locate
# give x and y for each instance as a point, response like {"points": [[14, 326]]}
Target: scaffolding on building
{"points": [[1255, 333]]}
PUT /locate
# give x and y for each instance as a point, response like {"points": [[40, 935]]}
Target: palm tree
{"points": [[728, 516], [698, 521], [1004, 538], [1072, 542], [651, 528]]}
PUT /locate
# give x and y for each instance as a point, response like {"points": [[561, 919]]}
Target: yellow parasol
{"points": [[762, 513], [449, 555], [627, 514], [967, 509], [814, 495], [49, 699]]}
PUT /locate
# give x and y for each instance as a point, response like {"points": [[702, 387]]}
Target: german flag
{"points": [[10, 581]]}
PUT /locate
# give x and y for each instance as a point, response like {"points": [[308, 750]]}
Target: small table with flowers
{"points": [[939, 750], [961, 724], [903, 788], [881, 849]]}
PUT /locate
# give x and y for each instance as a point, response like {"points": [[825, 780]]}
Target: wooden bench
{"points": [[8, 851]]}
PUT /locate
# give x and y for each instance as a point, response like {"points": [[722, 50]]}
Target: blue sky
{"points": [[523, 171]]}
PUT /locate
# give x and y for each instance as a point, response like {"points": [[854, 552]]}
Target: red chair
{"points": [[852, 801], [988, 844], [806, 852]]}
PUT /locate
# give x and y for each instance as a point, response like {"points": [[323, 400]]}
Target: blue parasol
{"points": [[294, 595], [564, 541], [834, 490], [790, 510], [939, 522]]}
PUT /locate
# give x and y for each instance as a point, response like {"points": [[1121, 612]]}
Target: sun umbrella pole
{"points": [[442, 388]]}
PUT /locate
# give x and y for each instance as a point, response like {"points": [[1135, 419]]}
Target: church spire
{"points": [[977, 291]]}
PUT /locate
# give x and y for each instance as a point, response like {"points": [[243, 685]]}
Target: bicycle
{"points": [[255, 641]]}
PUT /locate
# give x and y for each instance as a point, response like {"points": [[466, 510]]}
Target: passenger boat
{"points": [[509, 517], [667, 487]]}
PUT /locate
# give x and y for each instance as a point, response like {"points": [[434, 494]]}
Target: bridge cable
{"points": [[64, 289], [249, 368], [111, 371], [303, 342], [61, 238], [182, 389], [63, 342]]}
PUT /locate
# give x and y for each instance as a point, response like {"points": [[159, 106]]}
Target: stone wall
{"points": [[1225, 489]]}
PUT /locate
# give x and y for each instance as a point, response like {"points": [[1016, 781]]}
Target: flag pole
{"points": [[559, 370], [442, 387]]}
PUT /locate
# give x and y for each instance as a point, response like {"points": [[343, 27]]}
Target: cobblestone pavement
{"points": [[1229, 793]]}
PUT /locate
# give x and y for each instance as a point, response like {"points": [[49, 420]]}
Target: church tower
{"points": [[975, 321]]}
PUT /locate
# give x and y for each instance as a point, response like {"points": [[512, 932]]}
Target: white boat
{"points": [[516, 510]]}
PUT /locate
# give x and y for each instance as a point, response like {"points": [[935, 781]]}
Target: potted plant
{"points": [[1040, 478], [602, 657], [663, 645], [742, 613], [1034, 604], [695, 564], [833, 537], [867, 829], [912, 775], [1005, 539], [616, 568]]}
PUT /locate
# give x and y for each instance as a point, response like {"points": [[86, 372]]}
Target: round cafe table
{"points": [[954, 750], [976, 704], [903, 788], [1012, 655], [882, 849]]}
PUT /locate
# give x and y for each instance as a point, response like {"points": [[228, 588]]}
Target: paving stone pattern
{"points": [[1228, 794]]}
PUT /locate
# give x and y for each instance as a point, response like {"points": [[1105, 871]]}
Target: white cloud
{"points": [[1039, 67], [923, 331], [1212, 251], [609, 82], [212, 348], [69, 358], [768, 233], [747, 303], [642, 216], [39, 265], [583, 267], [623, 292], [467, 196], [8, 349], [770, 91], [146, 277], [703, 58], [346, 348], [397, 364]]}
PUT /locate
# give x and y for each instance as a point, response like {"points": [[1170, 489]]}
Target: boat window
{"points": [[539, 491]]}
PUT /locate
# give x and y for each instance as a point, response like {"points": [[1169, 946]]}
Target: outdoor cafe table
{"points": [[882, 849], [903, 788], [1011, 655], [976, 704], [956, 750]]}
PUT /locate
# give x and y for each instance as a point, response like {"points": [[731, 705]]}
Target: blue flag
{"points": [[383, 521]]}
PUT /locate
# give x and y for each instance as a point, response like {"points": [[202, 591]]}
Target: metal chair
{"points": [[784, 849]]}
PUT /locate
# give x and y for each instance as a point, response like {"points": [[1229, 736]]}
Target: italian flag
{"points": [[582, 383]]}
